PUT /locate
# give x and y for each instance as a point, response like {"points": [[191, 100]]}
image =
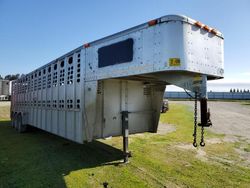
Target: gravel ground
{"points": [[229, 118]]}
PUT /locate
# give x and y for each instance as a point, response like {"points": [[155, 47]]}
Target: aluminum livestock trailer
{"points": [[115, 85]]}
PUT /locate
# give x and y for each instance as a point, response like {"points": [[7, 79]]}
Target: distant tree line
{"points": [[11, 77], [239, 90]]}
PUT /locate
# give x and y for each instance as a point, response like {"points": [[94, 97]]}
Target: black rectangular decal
{"points": [[116, 53]]}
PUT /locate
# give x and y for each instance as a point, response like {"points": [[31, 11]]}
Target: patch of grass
{"points": [[243, 145], [4, 110], [39, 159], [246, 103], [182, 117], [247, 149]]}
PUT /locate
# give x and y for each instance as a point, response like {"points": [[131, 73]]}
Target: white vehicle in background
{"points": [[4, 90]]}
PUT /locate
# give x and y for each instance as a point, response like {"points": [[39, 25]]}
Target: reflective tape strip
{"points": [[126, 133]]}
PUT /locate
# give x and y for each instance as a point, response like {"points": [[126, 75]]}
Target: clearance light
{"points": [[214, 31], [86, 45], [199, 24], [206, 28], [152, 22]]}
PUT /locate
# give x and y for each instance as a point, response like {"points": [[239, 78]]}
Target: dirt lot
{"points": [[229, 118]]}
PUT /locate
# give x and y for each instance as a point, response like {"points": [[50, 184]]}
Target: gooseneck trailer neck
{"points": [[114, 86]]}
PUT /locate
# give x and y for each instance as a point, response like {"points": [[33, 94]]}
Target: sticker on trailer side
{"points": [[174, 62]]}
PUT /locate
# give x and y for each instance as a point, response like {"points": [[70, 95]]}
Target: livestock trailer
{"points": [[115, 85]]}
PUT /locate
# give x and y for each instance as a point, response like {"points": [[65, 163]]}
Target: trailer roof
{"points": [[162, 19]]}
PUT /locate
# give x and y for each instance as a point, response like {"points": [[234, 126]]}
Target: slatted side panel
{"points": [[51, 97]]}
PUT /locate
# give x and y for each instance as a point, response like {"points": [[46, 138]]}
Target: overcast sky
{"points": [[34, 32]]}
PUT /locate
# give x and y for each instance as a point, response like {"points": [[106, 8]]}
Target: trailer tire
{"points": [[21, 128], [13, 120]]}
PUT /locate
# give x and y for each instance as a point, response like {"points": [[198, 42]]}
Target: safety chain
{"points": [[195, 120], [202, 143]]}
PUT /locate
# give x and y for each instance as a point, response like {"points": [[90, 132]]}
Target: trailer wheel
{"points": [[13, 120], [21, 128]]}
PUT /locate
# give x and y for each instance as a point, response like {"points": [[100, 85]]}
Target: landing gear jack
{"points": [[125, 133]]}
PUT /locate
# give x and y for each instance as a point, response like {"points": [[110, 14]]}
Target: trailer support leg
{"points": [[205, 114], [125, 133]]}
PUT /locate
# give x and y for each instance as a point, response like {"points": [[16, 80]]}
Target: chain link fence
{"points": [[211, 95]]}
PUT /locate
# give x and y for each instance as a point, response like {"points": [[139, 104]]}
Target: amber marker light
{"points": [[207, 28], [214, 31], [198, 24], [152, 22], [86, 45]]}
